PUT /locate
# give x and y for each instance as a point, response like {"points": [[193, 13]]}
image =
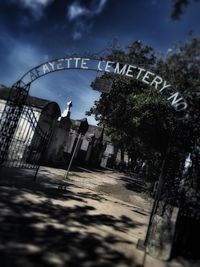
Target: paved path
{"points": [[92, 219]]}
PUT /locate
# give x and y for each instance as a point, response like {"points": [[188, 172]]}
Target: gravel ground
{"points": [[90, 219]]}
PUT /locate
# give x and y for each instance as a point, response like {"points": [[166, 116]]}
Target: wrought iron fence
{"points": [[22, 141]]}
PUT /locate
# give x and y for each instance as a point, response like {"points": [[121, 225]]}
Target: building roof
{"points": [[96, 130], [41, 103], [92, 129], [31, 100]]}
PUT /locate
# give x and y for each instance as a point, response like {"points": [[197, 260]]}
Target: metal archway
{"points": [[20, 90], [96, 64]]}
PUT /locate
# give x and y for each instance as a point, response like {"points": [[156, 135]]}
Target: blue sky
{"points": [[33, 31]]}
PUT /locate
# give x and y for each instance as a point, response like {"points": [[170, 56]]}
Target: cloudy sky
{"points": [[33, 31]]}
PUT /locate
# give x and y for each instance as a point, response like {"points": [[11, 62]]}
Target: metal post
{"points": [[70, 163], [159, 189], [36, 173]]}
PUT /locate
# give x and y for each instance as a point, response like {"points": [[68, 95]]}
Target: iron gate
{"points": [[22, 140]]}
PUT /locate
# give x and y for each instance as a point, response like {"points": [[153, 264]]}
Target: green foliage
{"points": [[137, 117], [132, 110]]}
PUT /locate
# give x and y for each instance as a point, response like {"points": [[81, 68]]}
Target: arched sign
{"points": [[128, 70]]}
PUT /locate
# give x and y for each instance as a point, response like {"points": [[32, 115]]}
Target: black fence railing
{"points": [[28, 142]]}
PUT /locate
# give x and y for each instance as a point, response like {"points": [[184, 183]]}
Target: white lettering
{"points": [[164, 86], [150, 78], [117, 70], [175, 99], [146, 76], [157, 80], [60, 65], [140, 71], [108, 65], [181, 106], [76, 61], [129, 70], [99, 65], [45, 68], [84, 62], [68, 62], [52, 64]]}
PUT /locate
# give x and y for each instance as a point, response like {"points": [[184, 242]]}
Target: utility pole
{"points": [[81, 131], [73, 154]]}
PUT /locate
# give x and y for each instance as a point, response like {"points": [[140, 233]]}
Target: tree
{"points": [[139, 119], [133, 114], [136, 117], [185, 63], [179, 6]]}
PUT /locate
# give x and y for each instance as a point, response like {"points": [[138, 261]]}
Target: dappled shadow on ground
{"points": [[133, 183], [40, 228]]}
